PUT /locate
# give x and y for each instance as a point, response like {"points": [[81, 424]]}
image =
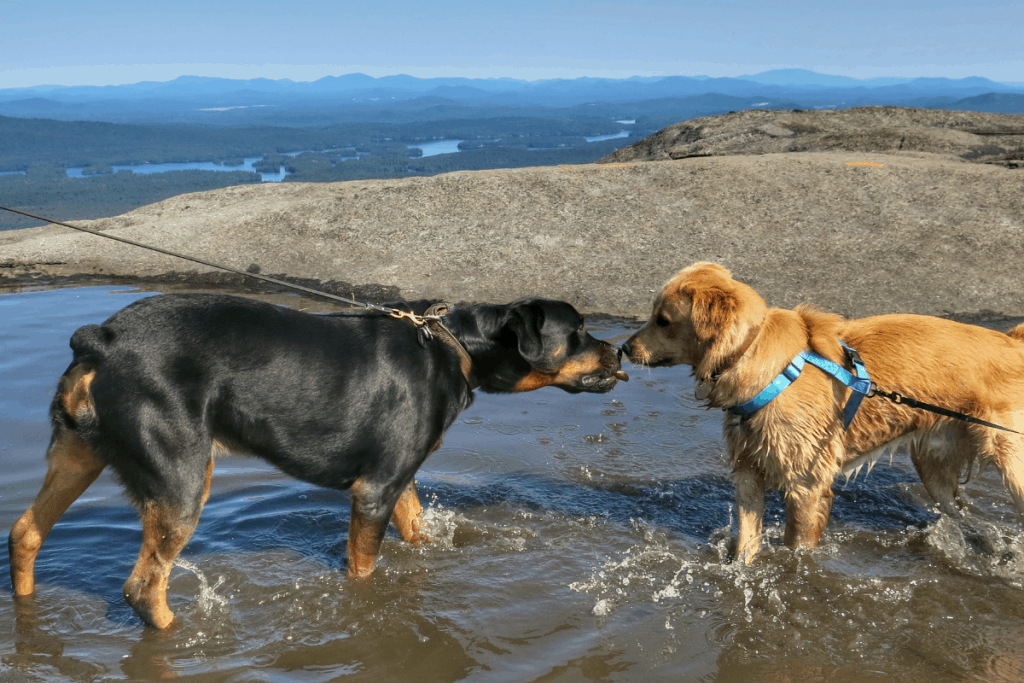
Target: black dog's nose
{"points": [[625, 349]]}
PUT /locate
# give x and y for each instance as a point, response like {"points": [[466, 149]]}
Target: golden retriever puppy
{"points": [[797, 442]]}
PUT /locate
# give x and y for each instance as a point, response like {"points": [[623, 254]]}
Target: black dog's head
{"points": [[534, 343]]}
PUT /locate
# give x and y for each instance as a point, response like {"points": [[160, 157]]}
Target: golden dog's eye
{"points": [[661, 321]]}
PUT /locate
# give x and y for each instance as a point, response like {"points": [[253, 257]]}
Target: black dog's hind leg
{"points": [[72, 467], [166, 528]]}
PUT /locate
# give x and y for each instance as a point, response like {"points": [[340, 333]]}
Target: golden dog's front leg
{"points": [[807, 511], [750, 510]]}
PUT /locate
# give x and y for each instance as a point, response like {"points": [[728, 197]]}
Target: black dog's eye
{"points": [[661, 321]]}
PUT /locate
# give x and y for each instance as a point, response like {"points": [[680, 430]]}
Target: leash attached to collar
{"points": [[860, 383], [435, 327]]}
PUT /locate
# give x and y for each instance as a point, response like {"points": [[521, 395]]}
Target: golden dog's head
{"points": [[702, 318]]}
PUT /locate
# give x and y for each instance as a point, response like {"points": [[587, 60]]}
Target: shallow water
{"points": [[577, 538]]}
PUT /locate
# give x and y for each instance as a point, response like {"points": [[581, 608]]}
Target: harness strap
{"points": [[776, 387], [859, 383]]}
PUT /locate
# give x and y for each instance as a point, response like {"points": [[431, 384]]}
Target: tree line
{"points": [[67, 144], [47, 191]]}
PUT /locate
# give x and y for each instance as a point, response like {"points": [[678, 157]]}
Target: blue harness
{"points": [[859, 383]]}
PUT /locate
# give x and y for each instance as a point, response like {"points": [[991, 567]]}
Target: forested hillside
{"points": [[49, 192], [27, 142]]}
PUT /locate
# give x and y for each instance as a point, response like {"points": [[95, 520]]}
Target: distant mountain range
{"points": [[359, 97], [606, 89]]}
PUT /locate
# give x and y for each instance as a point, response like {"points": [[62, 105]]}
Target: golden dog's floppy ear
{"points": [[726, 317], [712, 311]]}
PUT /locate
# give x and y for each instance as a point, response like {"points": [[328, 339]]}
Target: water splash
{"points": [[979, 547], [208, 599]]}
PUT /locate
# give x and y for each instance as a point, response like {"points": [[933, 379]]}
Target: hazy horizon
{"points": [[438, 73], [866, 81], [110, 42]]}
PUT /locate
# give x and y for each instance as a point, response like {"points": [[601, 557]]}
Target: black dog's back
{"points": [[317, 396]]}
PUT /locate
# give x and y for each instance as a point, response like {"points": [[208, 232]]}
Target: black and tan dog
{"points": [[349, 401]]}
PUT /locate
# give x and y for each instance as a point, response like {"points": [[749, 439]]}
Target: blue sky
{"points": [[105, 42]]}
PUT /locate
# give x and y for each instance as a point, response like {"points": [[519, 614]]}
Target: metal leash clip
{"points": [[417, 320]]}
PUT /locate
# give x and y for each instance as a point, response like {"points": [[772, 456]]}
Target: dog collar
{"points": [[706, 383], [438, 328], [859, 383]]}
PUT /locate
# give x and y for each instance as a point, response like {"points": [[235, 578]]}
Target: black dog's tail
{"points": [[90, 343], [72, 407]]}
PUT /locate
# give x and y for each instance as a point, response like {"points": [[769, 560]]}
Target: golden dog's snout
{"points": [[633, 350]]}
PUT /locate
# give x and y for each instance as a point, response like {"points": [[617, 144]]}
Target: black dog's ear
{"points": [[526, 321]]}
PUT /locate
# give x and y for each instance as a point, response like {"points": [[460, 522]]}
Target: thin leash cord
{"points": [[900, 399], [258, 276]]}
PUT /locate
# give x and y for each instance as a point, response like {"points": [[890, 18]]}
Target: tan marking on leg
{"points": [[364, 537], [165, 532], [408, 514], [408, 517], [363, 545], [750, 511], [73, 466]]}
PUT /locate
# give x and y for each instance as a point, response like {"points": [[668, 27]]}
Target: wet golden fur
{"points": [[737, 345]]}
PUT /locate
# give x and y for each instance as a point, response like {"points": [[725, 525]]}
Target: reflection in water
{"points": [[575, 538]]}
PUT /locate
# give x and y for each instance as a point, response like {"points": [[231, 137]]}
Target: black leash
{"points": [[900, 399], [393, 312]]}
